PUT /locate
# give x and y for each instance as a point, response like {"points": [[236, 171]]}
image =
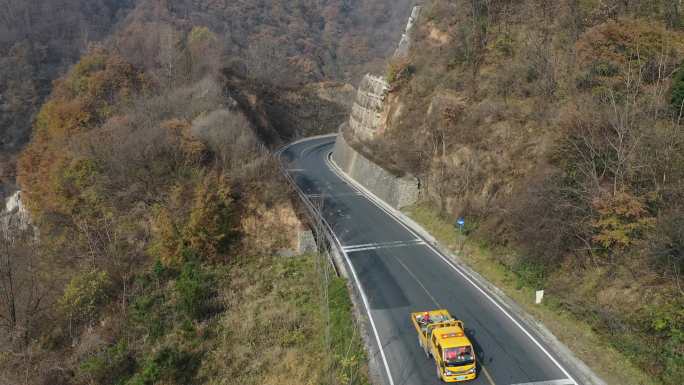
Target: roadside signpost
{"points": [[460, 222]]}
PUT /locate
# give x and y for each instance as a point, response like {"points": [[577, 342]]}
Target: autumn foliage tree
{"points": [[622, 220], [53, 176], [201, 231]]}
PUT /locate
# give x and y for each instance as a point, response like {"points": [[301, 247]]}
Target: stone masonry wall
{"points": [[396, 191], [366, 118]]}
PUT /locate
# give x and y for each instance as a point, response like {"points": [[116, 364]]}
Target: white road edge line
{"points": [[551, 382], [380, 204], [356, 279], [370, 317]]}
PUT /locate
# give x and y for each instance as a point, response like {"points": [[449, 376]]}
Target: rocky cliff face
{"points": [[370, 111], [15, 215], [366, 120], [405, 42], [370, 116]]}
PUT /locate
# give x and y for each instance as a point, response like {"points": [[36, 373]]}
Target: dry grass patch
{"points": [[274, 329]]}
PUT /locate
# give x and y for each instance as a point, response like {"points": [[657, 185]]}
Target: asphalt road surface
{"points": [[399, 273]]}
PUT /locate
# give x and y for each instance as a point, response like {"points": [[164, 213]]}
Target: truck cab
{"points": [[443, 338]]}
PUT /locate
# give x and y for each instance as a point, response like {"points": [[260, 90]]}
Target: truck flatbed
{"points": [[443, 338]]}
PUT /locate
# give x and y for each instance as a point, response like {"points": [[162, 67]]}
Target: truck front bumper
{"points": [[459, 377]]}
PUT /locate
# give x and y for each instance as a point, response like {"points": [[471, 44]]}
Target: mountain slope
{"points": [[148, 175], [555, 129], [39, 40]]}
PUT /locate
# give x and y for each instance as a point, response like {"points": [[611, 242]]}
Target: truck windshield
{"points": [[458, 356]]}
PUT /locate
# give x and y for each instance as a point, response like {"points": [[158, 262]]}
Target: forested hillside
{"points": [[156, 205], [555, 128], [282, 43], [39, 40], [301, 40]]}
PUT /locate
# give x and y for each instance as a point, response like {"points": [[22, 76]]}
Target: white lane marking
{"points": [[383, 246], [285, 147], [358, 285], [368, 244], [295, 170], [378, 247], [551, 382], [354, 194], [419, 282], [307, 150], [411, 242], [380, 204]]}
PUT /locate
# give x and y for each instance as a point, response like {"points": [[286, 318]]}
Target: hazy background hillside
{"points": [[555, 129], [283, 43], [39, 40]]}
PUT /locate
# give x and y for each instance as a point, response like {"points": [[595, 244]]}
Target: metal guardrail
{"points": [[313, 213]]}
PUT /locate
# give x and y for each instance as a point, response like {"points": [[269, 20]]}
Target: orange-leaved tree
{"points": [[622, 220], [52, 176]]}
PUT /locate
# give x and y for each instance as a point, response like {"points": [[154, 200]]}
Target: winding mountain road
{"points": [[397, 272]]}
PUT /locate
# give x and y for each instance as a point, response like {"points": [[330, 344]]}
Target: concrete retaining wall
{"points": [[398, 192]]}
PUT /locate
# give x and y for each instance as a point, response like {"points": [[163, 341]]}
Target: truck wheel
{"points": [[439, 375]]}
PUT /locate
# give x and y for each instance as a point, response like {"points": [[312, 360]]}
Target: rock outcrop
{"points": [[369, 118], [15, 216], [366, 118], [405, 42]]}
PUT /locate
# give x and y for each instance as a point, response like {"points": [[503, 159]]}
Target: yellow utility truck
{"points": [[443, 337]]}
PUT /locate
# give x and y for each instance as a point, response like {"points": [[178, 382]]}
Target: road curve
{"points": [[399, 273]]}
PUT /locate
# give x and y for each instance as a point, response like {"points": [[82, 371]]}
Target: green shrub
{"points": [[505, 45], [530, 275], [149, 375], [677, 98], [147, 311], [201, 34], [399, 71], [169, 365], [674, 358], [605, 68], [112, 366], [85, 294], [194, 288]]}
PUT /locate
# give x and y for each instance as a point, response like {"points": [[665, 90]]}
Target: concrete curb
{"points": [[578, 368]]}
